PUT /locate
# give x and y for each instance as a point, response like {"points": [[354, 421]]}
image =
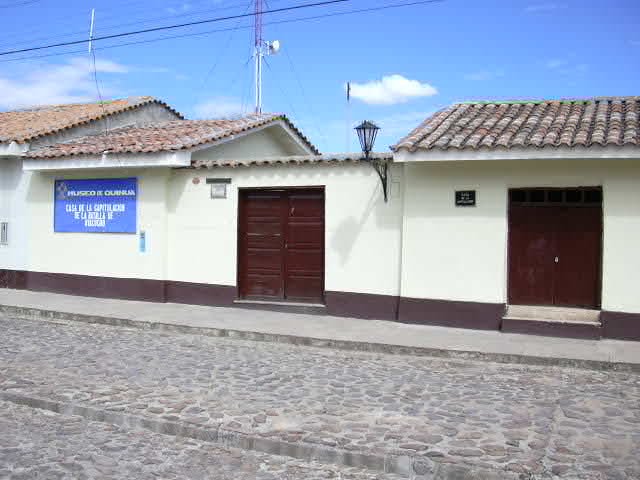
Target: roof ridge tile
{"points": [[606, 121], [171, 135]]}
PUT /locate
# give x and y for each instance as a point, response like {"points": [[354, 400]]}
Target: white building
{"points": [[491, 206], [25, 130]]}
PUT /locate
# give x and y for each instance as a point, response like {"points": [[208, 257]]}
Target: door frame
{"points": [[582, 188], [240, 264]]}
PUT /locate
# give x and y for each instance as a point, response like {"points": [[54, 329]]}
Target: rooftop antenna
{"points": [[93, 18], [262, 49]]}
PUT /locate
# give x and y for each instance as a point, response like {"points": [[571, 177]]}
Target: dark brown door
{"points": [[281, 245], [531, 256], [304, 246], [555, 248], [261, 255], [578, 247]]}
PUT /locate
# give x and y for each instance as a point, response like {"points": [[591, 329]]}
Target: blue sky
{"points": [[404, 63]]}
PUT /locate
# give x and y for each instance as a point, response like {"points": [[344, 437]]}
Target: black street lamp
{"points": [[367, 132]]}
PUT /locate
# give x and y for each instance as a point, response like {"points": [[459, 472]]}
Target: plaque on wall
{"points": [[465, 198], [218, 187]]}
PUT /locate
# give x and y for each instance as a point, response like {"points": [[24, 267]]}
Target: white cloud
{"points": [[58, 83], [391, 90], [219, 107], [185, 7], [543, 7], [484, 75], [564, 67], [556, 63]]}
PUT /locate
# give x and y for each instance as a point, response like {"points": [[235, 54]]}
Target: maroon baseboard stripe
{"points": [[199, 293], [92, 286], [620, 325], [450, 313], [362, 305]]}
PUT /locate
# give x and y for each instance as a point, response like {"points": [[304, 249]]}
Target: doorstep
{"points": [[282, 306], [379, 336], [552, 321]]}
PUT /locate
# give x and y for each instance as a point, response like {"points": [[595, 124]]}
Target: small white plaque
{"points": [[218, 190]]}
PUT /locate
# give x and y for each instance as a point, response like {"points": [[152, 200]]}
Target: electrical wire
{"points": [[100, 99], [113, 26], [209, 32], [116, 9], [223, 50], [172, 27], [305, 98], [309, 105], [20, 4], [284, 94]]}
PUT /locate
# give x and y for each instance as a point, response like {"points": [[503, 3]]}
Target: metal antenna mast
{"points": [[259, 53], [262, 49]]}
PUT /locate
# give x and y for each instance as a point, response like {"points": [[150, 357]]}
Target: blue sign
{"points": [[96, 205]]}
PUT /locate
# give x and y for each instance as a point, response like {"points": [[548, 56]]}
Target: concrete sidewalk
{"points": [[326, 331]]}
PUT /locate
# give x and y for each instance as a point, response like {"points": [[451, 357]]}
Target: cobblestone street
{"points": [[519, 421], [41, 445]]}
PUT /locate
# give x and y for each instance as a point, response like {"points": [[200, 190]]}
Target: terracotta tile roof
{"points": [[24, 125], [606, 121], [162, 137], [329, 159]]}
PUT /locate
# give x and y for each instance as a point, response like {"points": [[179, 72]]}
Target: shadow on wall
{"points": [[387, 216], [10, 181]]}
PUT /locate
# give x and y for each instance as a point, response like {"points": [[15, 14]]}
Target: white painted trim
{"points": [[13, 149], [109, 160], [569, 153]]}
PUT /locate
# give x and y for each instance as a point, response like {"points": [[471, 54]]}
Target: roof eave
{"points": [[405, 155], [85, 121], [13, 149]]}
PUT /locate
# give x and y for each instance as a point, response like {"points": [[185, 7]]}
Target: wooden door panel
{"points": [[261, 254], [578, 247], [267, 261], [305, 288], [263, 285], [302, 234], [531, 255], [310, 262], [304, 273]]}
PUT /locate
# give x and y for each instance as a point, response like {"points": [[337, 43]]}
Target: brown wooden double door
{"points": [[281, 244], [555, 239]]}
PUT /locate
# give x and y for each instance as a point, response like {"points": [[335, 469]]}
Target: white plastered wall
{"points": [[13, 188], [362, 233], [272, 141], [99, 254], [460, 253]]}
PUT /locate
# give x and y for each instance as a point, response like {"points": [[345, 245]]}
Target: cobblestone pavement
{"points": [[37, 444], [537, 421]]}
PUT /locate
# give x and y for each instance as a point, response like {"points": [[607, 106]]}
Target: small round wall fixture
{"points": [[196, 180]]}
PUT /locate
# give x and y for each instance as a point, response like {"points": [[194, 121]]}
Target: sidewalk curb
{"points": [[403, 465], [53, 315]]}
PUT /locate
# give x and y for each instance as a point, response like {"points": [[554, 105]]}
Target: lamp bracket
{"points": [[382, 169]]}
